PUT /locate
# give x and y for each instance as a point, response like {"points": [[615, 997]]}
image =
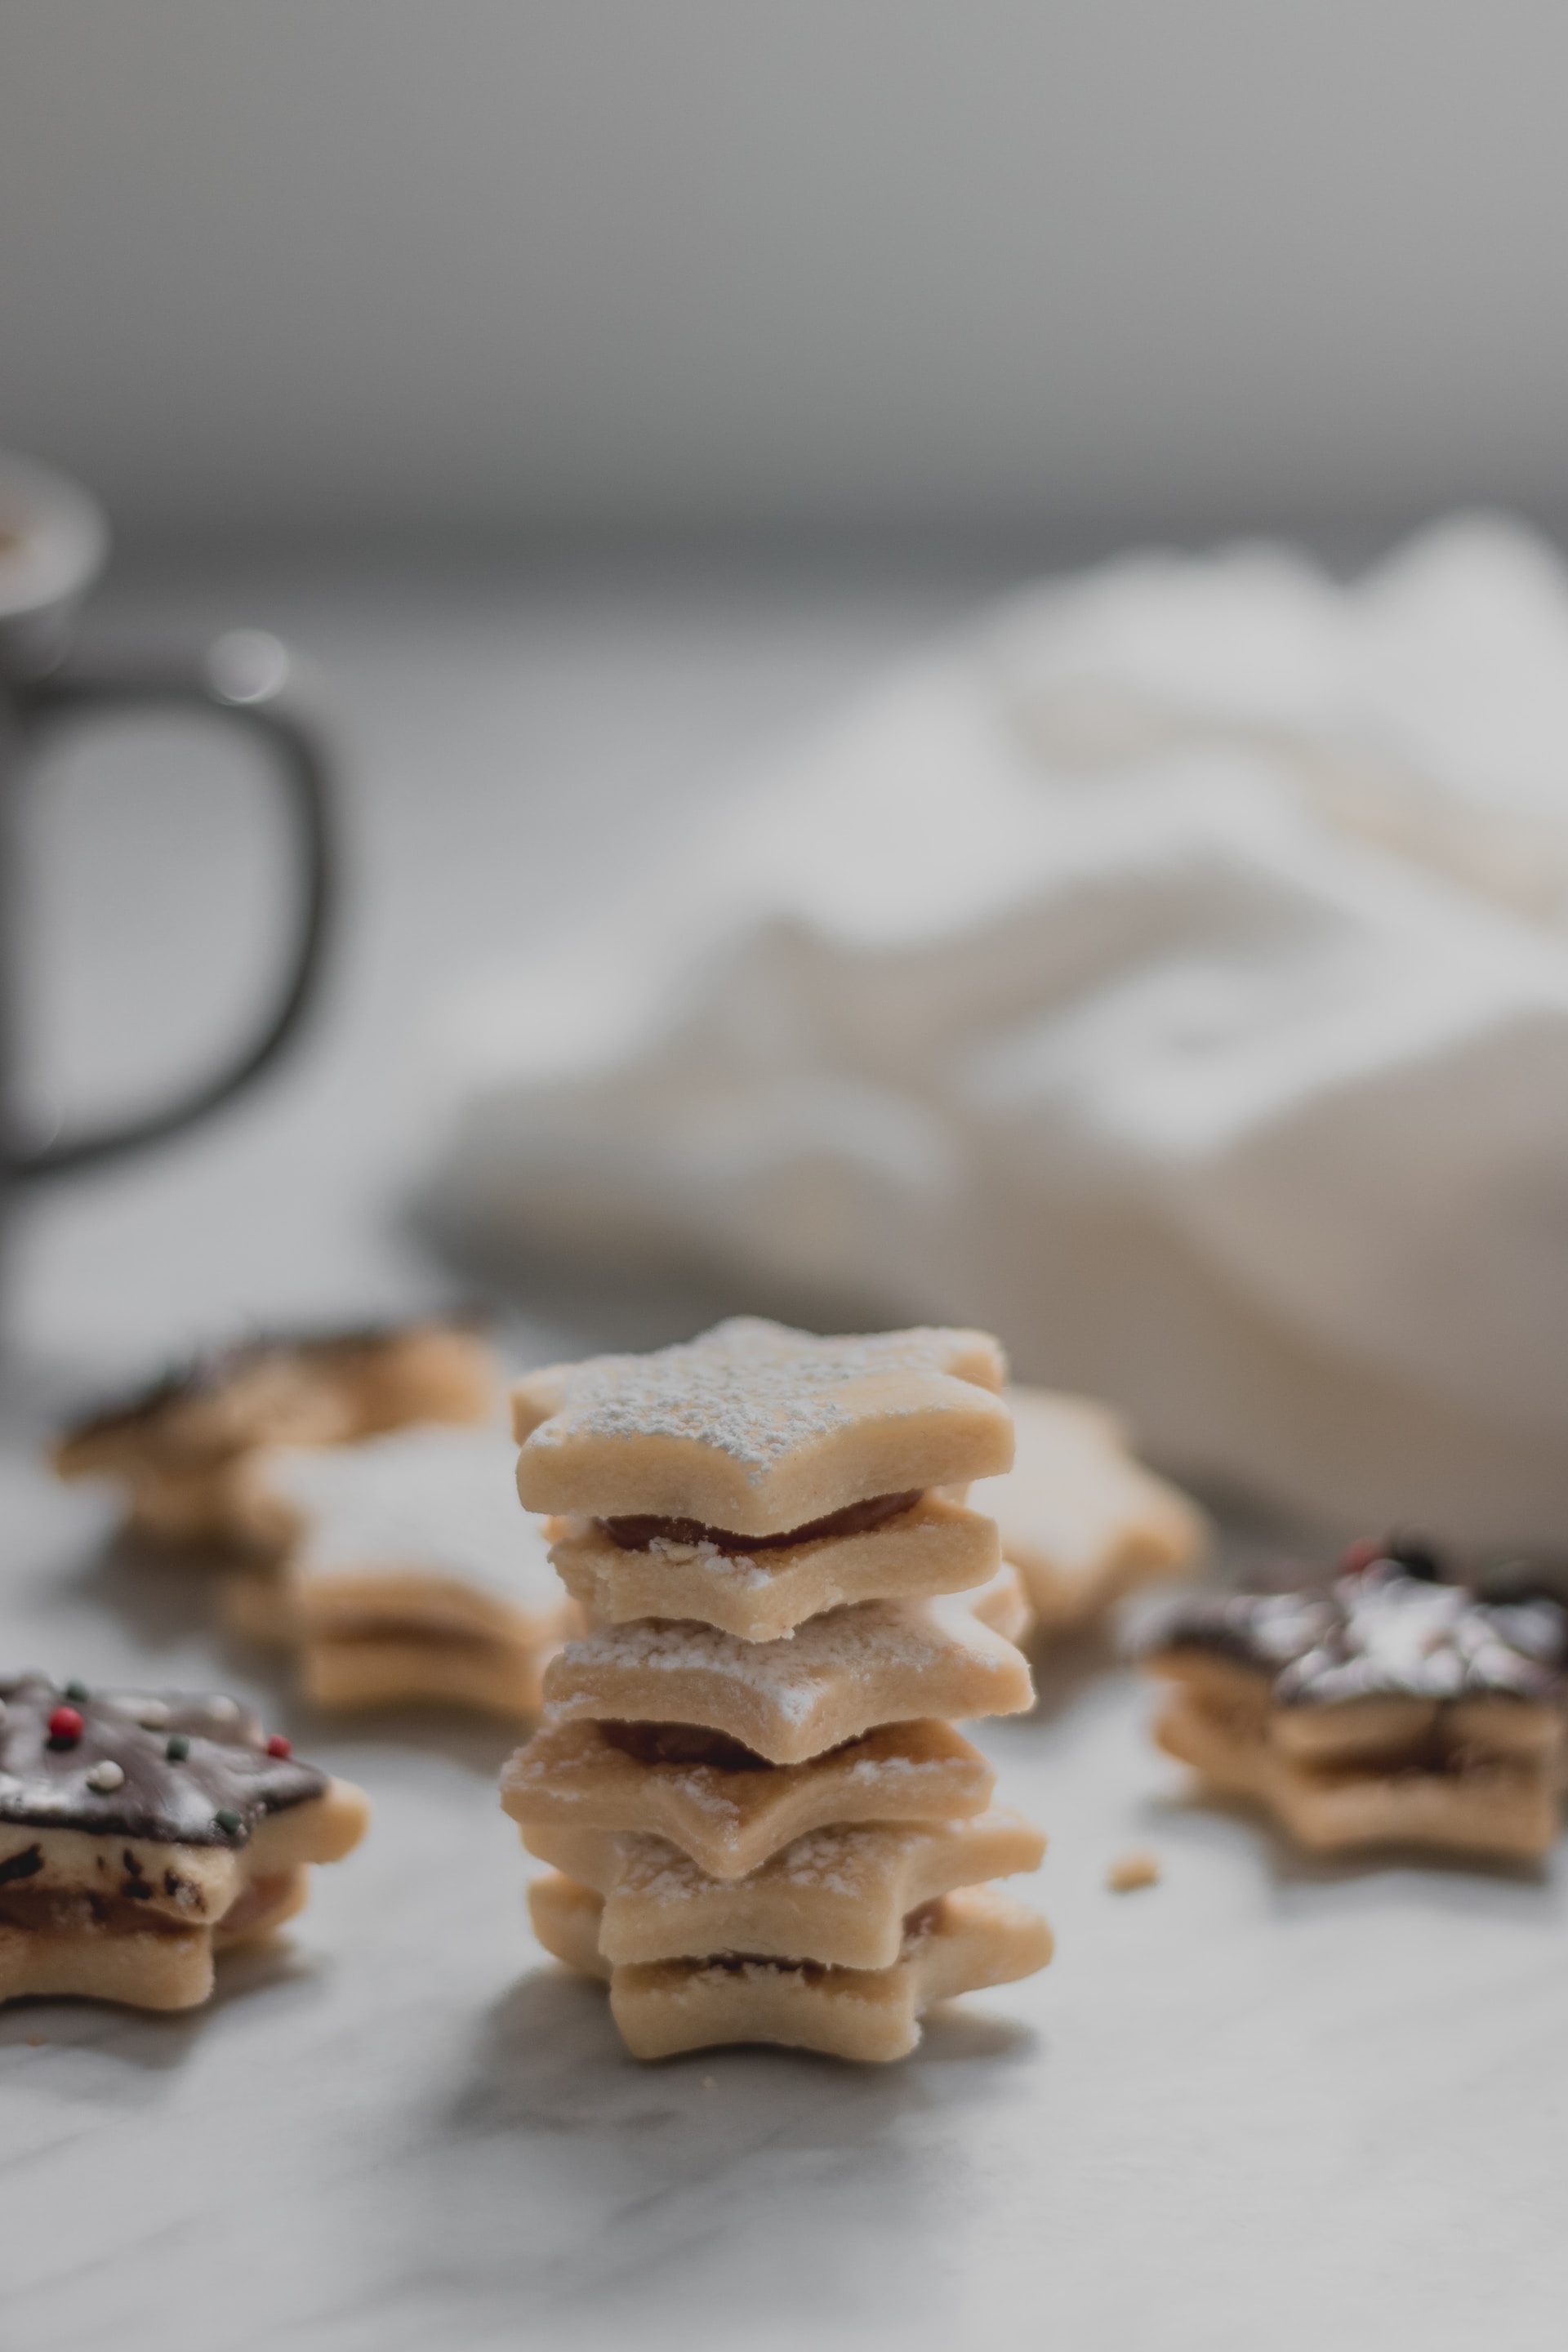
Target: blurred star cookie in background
{"points": [[182, 1449], [1080, 1518], [414, 1576], [1386, 1709]]}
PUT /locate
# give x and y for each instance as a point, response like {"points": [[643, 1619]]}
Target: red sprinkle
{"points": [[1361, 1556], [65, 1727], [279, 1745]]}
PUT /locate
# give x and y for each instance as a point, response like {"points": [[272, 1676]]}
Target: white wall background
{"points": [[692, 264]]}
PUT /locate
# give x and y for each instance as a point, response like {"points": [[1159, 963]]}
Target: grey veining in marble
{"points": [[1262, 2104]]}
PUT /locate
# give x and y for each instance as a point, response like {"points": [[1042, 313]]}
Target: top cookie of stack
{"points": [[746, 1771], [759, 1477]]}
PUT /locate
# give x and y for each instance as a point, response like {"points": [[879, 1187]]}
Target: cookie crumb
{"points": [[34, 2042], [1133, 1871], [709, 2082]]}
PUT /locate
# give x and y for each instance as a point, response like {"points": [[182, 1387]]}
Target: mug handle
{"points": [[242, 679]]}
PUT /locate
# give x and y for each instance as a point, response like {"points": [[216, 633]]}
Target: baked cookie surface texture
{"points": [[1388, 1708], [143, 1831], [761, 1823]]}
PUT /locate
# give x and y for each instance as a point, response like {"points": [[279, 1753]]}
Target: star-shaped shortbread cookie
{"points": [[730, 1815], [837, 1677], [963, 1942], [140, 1833], [756, 1430], [931, 1546], [838, 1895], [1081, 1519]]}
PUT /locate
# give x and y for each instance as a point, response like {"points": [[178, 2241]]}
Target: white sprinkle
{"points": [[106, 1777], [153, 1715]]}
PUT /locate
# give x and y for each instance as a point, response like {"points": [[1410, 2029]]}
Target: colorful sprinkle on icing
{"points": [[231, 1824], [116, 1776], [280, 1746]]}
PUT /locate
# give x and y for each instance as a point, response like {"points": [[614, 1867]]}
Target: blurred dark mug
{"points": [[53, 541]]}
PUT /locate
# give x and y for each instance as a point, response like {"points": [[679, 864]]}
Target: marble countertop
{"points": [[1262, 2103]]}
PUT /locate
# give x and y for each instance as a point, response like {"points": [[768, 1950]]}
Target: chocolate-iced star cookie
{"points": [[1080, 1518], [755, 1430], [964, 1942], [183, 1448], [1388, 1708], [415, 1576], [141, 1831]]}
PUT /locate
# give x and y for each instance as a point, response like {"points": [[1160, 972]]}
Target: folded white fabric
{"points": [[1172, 975]]}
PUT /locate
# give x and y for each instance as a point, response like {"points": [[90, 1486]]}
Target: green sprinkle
{"points": [[177, 1748], [75, 1690], [230, 1823]]}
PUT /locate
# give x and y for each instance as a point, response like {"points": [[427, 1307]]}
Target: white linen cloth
{"points": [[1171, 974]]}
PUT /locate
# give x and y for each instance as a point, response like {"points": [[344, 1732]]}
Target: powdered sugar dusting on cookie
{"points": [[794, 1674], [751, 1390]]}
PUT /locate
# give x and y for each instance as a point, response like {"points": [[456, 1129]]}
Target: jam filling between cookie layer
{"points": [[682, 1743], [641, 1533], [918, 1924], [685, 1744]]}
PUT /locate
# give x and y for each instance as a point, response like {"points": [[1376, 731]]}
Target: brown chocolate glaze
{"points": [[641, 1534], [171, 1800], [1386, 1629]]}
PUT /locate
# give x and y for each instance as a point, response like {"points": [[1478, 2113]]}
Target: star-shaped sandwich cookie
{"points": [[763, 1586], [835, 1677], [837, 1896], [1387, 1708], [960, 1944], [724, 1805], [761, 1430], [143, 1831]]}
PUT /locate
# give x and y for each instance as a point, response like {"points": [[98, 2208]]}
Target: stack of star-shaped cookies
{"points": [[762, 1824]]}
